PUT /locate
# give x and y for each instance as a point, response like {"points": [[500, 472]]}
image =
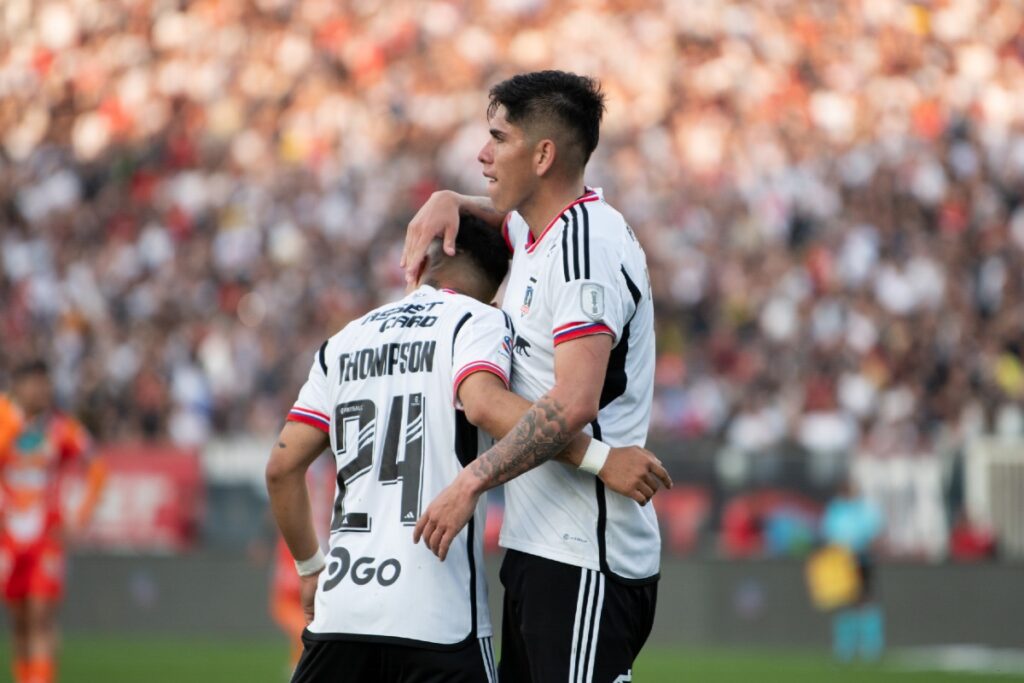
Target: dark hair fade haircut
{"points": [[574, 102], [484, 247]]}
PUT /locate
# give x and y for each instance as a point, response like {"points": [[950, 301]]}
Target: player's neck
{"points": [[450, 285], [548, 202]]}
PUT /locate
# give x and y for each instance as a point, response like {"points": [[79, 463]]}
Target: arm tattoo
{"points": [[540, 435]]}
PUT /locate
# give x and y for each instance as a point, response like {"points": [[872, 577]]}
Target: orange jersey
{"points": [[32, 457]]}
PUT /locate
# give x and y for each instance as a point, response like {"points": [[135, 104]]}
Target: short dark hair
{"points": [[484, 248], [573, 102], [28, 368]]}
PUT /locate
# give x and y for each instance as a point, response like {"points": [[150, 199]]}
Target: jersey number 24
{"points": [[408, 471]]}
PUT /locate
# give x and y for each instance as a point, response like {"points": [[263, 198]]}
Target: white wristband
{"points": [[595, 457], [312, 565]]}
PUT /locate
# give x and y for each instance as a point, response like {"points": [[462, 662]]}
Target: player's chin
{"points": [[498, 198]]}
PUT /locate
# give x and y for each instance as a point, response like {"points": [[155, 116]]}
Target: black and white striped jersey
{"points": [[585, 274], [384, 388]]}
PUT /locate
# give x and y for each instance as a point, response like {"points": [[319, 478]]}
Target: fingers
{"points": [[434, 541], [638, 497], [658, 470], [652, 481], [424, 527], [450, 231], [446, 542]]}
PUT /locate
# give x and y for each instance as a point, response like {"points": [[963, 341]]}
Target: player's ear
{"points": [[544, 156]]}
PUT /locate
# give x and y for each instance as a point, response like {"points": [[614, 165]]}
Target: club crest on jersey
{"points": [[592, 300], [528, 297]]}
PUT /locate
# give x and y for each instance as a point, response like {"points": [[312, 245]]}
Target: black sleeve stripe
{"points": [[322, 356], [508, 323], [575, 244], [586, 240], [458, 327], [634, 291], [565, 247]]}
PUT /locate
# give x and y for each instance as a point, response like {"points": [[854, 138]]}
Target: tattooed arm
{"points": [[546, 428]]}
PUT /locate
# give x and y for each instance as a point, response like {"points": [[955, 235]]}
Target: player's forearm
{"points": [[481, 207], [289, 502], [548, 426], [503, 409]]}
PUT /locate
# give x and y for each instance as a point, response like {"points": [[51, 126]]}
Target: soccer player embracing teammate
{"points": [[399, 395], [582, 562]]}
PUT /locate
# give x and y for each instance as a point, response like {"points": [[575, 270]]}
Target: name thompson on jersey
{"points": [[387, 360]]}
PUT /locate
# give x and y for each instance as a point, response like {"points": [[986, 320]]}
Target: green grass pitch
{"points": [[87, 659]]}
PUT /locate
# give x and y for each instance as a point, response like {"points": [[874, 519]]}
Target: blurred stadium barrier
{"points": [[702, 601], [995, 490]]}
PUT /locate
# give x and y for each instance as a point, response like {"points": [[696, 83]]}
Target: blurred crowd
{"points": [[193, 195]]}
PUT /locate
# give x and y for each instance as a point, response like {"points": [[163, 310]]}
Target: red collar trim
{"points": [[531, 243]]}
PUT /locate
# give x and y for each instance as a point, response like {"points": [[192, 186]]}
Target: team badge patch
{"points": [[592, 300]]}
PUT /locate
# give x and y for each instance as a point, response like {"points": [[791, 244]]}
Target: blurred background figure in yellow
{"points": [[850, 526], [38, 446]]}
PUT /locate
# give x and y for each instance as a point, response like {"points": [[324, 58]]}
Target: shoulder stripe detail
{"points": [[310, 417], [634, 291], [531, 244], [458, 327], [586, 241], [508, 322], [565, 248], [322, 356], [576, 330]]}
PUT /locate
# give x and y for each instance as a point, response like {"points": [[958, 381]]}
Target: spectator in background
{"points": [[854, 523]]}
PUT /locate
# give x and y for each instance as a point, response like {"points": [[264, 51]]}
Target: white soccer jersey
{"points": [[384, 389], [586, 274]]}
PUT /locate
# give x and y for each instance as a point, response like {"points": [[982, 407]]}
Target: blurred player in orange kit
{"points": [[285, 595], [37, 447]]}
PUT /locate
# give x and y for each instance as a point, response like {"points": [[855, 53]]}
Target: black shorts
{"points": [[345, 661], [564, 623]]}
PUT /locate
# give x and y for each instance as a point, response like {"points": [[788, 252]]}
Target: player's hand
{"points": [[439, 216], [634, 472], [307, 595], [446, 516]]}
